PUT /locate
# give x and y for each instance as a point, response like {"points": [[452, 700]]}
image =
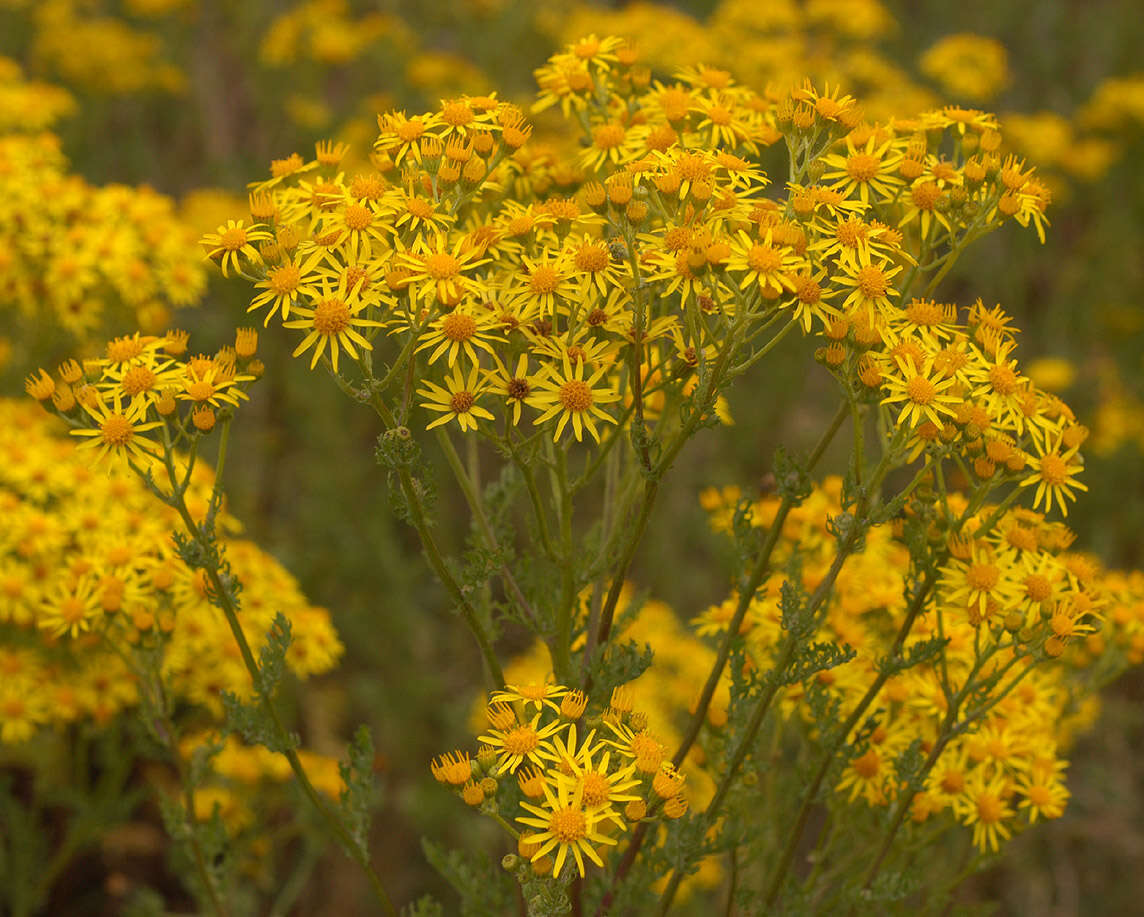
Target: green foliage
{"points": [[357, 799], [485, 890]]}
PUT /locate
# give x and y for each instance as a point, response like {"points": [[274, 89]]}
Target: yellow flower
{"points": [[983, 805], [923, 391], [1054, 473], [232, 240], [458, 400], [333, 320], [573, 397], [521, 742], [117, 429], [566, 825]]}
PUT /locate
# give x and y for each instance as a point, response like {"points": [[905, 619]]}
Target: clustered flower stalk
{"points": [[577, 313]]}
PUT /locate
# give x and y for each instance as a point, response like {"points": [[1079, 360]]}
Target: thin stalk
{"points": [[437, 560], [747, 594], [791, 645], [477, 509], [840, 738], [224, 602]]}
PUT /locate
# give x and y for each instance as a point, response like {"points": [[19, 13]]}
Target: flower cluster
{"points": [[1023, 621], [577, 772], [89, 573], [596, 307], [85, 258], [29, 106], [103, 53], [148, 391]]}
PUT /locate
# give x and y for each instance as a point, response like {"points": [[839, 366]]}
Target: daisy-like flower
{"points": [[401, 135], [143, 380], [764, 263], [118, 429], [1043, 793], [537, 694], [921, 205], [872, 289], [285, 282], [982, 581], [440, 271], [984, 806], [233, 240], [123, 352], [519, 743], [415, 214], [1054, 473], [461, 331], [211, 381], [810, 299], [356, 228], [332, 321], [71, 608], [613, 143], [543, 283], [567, 824], [567, 393], [593, 259], [590, 765], [516, 386], [923, 391], [870, 168], [457, 400]]}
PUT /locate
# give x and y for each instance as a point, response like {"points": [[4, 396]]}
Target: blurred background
{"points": [[195, 97]]}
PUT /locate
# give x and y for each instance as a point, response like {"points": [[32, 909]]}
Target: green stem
{"points": [[222, 599], [437, 560], [842, 734], [747, 594], [477, 509]]}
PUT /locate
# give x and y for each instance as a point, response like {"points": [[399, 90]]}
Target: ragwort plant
{"points": [[906, 648]]}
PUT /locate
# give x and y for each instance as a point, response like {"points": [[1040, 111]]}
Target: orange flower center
{"points": [[764, 259], [576, 395], [285, 279], [1037, 587], [332, 316], [920, 390], [523, 739], [461, 403], [872, 281], [123, 349], [72, 610], [596, 789], [458, 326], [544, 280], [1003, 380], [233, 239], [1054, 471], [116, 430], [989, 808], [719, 115], [200, 390], [867, 765], [862, 167], [442, 266], [982, 577], [591, 258], [419, 208], [137, 379], [608, 136], [358, 217], [568, 824], [925, 195]]}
